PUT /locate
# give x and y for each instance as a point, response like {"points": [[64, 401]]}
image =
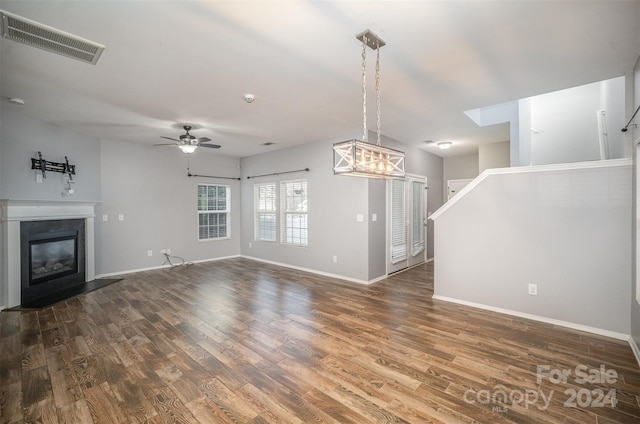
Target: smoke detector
{"points": [[249, 98]]}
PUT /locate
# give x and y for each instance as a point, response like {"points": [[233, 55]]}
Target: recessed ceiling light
{"points": [[444, 145], [16, 100]]}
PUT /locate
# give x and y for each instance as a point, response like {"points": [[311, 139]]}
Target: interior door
{"points": [[454, 186], [406, 225]]}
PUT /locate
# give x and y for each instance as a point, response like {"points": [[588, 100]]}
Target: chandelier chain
{"points": [[364, 88], [378, 93]]}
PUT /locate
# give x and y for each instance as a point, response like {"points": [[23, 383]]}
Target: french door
{"points": [[406, 222]]}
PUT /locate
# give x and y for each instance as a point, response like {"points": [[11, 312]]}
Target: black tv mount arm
{"points": [[45, 165]]}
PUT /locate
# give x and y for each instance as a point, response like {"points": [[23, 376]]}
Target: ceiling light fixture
{"points": [[16, 100], [359, 158], [444, 145], [188, 148]]}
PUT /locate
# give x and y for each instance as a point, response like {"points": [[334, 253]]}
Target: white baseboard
{"points": [[315, 271], [635, 348], [567, 324], [131, 271]]}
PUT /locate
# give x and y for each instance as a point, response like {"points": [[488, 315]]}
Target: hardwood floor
{"points": [[246, 342]]}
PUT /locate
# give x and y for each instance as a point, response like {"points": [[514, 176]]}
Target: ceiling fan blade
{"points": [[169, 138], [166, 144], [210, 146], [203, 139]]}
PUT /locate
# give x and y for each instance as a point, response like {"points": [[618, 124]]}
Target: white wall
{"points": [[566, 231], [563, 126], [635, 298]]}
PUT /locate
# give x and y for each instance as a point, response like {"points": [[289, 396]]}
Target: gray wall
{"points": [[334, 202], [21, 137], [460, 167], [378, 229], [494, 155], [566, 231], [419, 162], [150, 187]]}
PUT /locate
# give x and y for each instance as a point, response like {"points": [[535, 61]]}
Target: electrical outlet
{"points": [[105, 217], [39, 178], [121, 217], [335, 259], [533, 289], [149, 252]]}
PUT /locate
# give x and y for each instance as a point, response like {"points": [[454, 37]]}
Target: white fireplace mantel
{"points": [[12, 212]]}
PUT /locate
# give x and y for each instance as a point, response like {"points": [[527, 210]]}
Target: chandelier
{"points": [[359, 158]]}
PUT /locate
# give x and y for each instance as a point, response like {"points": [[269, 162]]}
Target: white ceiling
{"points": [[169, 63]]}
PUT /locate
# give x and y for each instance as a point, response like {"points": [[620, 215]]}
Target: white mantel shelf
{"points": [[28, 210], [12, 212]]}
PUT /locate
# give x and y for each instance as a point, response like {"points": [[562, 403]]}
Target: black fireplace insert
{"points": [[52, 257]]}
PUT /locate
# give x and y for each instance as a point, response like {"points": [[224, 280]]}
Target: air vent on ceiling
{"points": [[34, 34]]}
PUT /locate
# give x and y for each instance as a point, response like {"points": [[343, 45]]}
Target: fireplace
{"points": [[51, 256], [62, 230]]}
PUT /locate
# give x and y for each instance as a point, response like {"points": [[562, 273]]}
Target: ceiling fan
{"points": [[189, 143]]}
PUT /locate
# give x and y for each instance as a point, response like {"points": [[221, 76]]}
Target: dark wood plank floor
{"points": [[245, 342]]}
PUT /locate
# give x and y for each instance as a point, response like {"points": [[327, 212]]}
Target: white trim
{"points": [[12, 212], [574, 326], [152, 268], [635, 348], [527, 169], [315, 271]]}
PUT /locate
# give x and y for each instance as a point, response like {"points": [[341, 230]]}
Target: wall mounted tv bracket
{"points": [[45, 165]]}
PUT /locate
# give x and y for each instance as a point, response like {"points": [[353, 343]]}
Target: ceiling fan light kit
{"points": [[358, 158], [188, 143], [188, 148]]}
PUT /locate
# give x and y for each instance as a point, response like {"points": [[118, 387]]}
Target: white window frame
{"points": [[226, 211], [289, 215], [263, 207]]}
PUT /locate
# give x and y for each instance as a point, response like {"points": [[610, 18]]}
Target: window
{"points": [[398, 222], [265, 212], [293, 198], [417, 226], [213, 211]]}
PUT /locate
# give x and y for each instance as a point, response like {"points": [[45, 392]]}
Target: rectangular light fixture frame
{"points": [[361, 159]]}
